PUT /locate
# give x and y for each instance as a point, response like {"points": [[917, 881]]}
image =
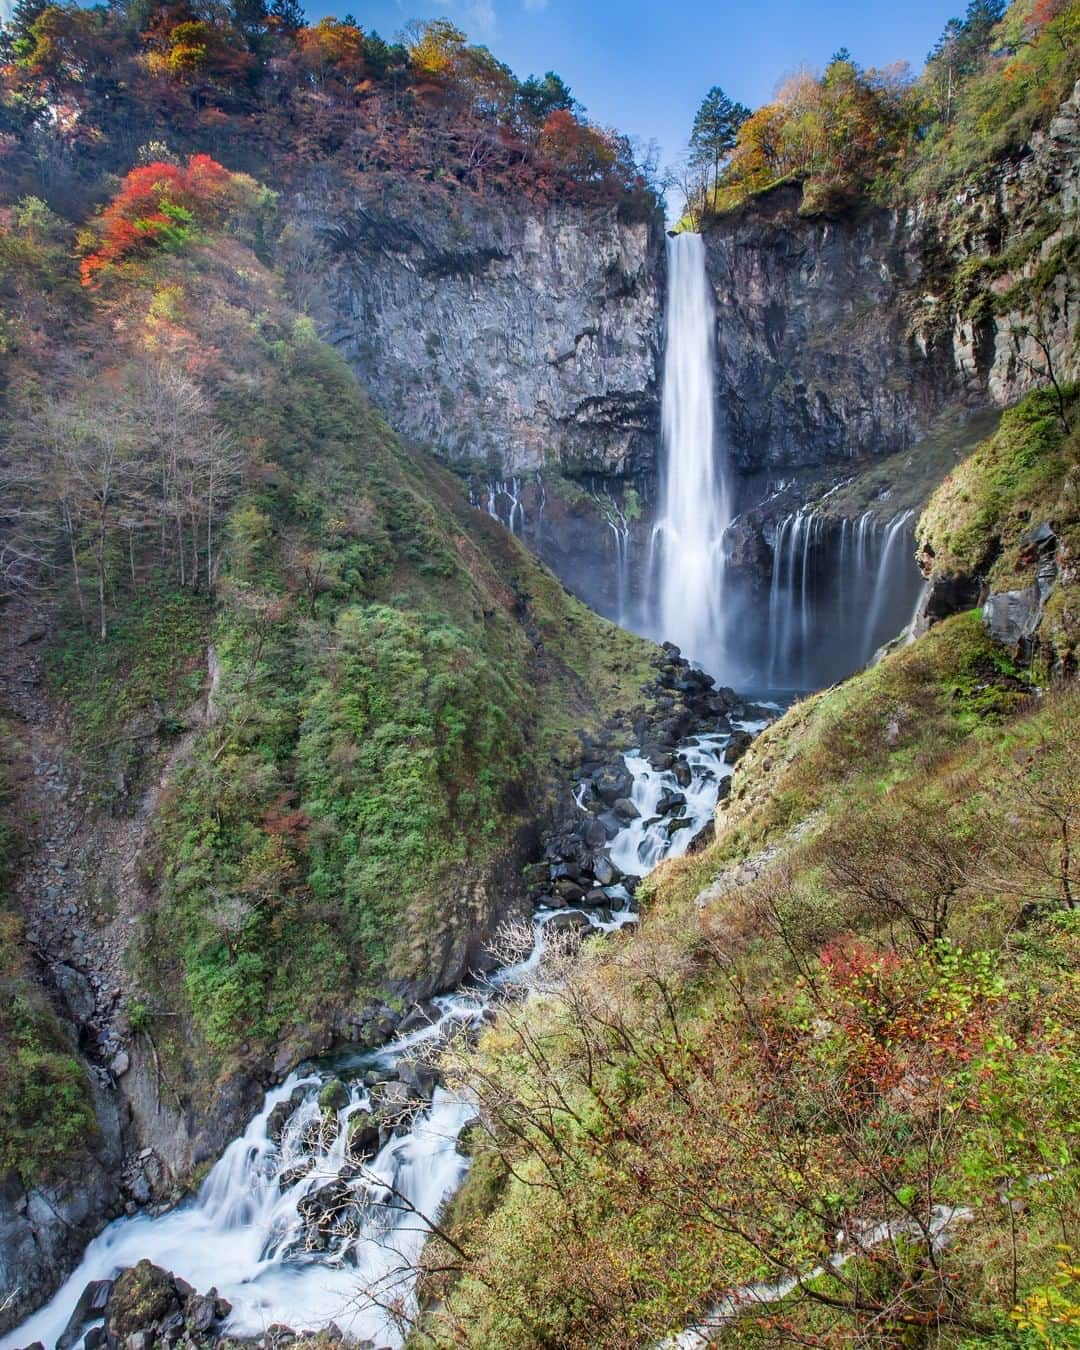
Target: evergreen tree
{"points": [[716, 130]]}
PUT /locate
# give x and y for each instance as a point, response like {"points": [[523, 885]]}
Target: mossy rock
{"points": [[334, 1096], [143, 1295]]}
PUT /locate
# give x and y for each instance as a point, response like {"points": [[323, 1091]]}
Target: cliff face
{"points": [[846, 337], [508, 338]]}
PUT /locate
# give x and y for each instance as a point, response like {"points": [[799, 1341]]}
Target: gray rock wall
{"points": [[506, 335], [846, 337]]}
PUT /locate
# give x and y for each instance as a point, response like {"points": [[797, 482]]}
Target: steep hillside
{"points": [[301, 706], [828, 1093]]}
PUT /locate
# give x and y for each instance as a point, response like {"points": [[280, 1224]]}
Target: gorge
{"points": [[537, 747]]}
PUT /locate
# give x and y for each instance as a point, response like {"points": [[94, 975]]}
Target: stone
{"points": [[143, 1295], [288, 1179], [119, 1064], [569, 891], [613, 782], [737, 746], [571, 922], [679, 823], [200, 1313], [421, 1079], [76, 992], [670, 801], [605, 871], [363, 1133], [1011, 617], [625, 809], [683, 775], [594, 833], [333, 1096], [91, 1305]]}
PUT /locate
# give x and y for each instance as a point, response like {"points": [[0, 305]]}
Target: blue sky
{"points": [[644, 65]]}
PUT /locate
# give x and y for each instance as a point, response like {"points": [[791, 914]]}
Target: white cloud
{"points": [[480, 18]]}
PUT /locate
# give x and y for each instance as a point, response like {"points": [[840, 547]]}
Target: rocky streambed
{"points": [[315, 1216]]}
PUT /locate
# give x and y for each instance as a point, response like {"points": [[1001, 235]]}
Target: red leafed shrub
{"points": [[162, 206]]}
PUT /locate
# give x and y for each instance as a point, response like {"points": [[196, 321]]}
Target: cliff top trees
{"points": [[716, 129]]}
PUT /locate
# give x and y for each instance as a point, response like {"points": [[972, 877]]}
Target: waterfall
{"points": [[249, 1232], [696, 506], [838, 590]]}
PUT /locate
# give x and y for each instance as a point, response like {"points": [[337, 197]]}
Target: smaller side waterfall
{"points": [[838, 590]]}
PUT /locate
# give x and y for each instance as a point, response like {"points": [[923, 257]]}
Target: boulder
{"points": [[363, 1136], [681, 769], [625, 809], [569, 891], [669, 801], [419, 1078], [91, 1305], [279, 1115], [605, 871], [613, 782], [143, 1296], [679, 823], [740, 742], [594, 833], [1011, 617], [571, 922], [288, 1179], [76, 992], [334, 1096]]}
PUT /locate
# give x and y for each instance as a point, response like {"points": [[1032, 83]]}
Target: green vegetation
{"points": [[128, 695], [395, 682], [854, 135], [979, 522], [854, 1011], [45, 1110]]}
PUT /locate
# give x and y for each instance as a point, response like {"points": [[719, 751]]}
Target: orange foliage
{"points": [[159, 206]]}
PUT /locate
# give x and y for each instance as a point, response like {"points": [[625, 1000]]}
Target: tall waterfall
{"points": [[696, 503]]}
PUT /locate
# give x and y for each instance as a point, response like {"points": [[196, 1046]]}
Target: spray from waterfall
{"points": [[696, 503]]}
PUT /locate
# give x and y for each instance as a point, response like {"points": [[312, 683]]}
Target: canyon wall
{"points": [[499, 334]]}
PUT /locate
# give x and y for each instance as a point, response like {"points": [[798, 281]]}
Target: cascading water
{"points": [[696, 504], [250, 1232], [838, 591]]}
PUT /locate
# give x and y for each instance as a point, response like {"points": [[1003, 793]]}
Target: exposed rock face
{"points": [[508, 336], [845, 337], [43, 1230]]}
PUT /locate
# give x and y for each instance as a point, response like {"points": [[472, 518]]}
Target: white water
{"points": [[244, 1234], [834, 601], [696, 507]]}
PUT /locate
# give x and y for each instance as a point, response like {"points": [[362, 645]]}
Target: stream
{"points": [[245, 1232]]}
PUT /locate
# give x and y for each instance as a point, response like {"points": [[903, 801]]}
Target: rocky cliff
{"points": [[503, 337], [844, 337]]}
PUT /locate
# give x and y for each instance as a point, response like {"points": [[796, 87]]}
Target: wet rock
{"points": [[1011, 617], [334, 1096], [597, 896], [679, 823], [392, 1102], [740, 742], [425, 1014], [613, 782], [594, 833], [421, 1079], [76, 992], [288, 1179], [201, 1313], [363, 1136], [143, 1295], [571, 922], [625, 809], [119, 1064], [605, 871], [91, 1306], [569, 891], [683, 775], [279, 1115], [670, 801]]}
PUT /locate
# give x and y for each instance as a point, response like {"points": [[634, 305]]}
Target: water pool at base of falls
{"points": [[245, 1232]]}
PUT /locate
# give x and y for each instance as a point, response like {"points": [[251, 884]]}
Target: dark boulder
{"points": [[334, 1096], [143, 1296], [91, 1306], [625, 809], [681, 769], [670, 801], [740, 742]]}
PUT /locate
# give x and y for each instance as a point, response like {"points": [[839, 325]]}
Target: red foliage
{"points": [[157, 203]]}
